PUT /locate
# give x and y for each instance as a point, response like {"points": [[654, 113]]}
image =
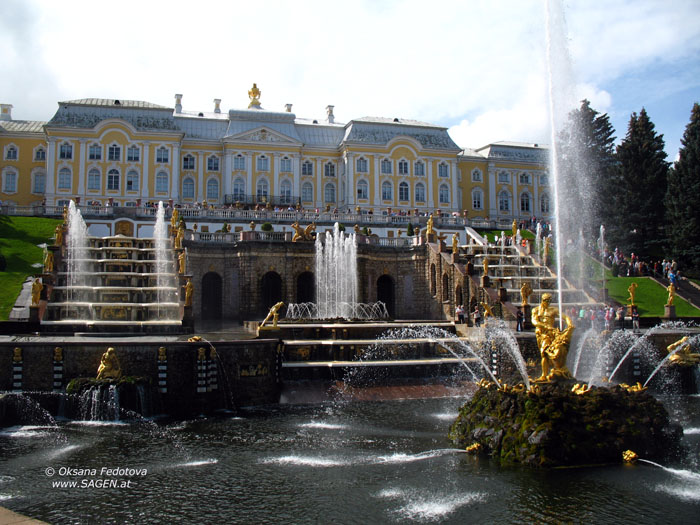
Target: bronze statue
{"points": [[109, 366], [525, 293], [273, 314], [552, 342], [189, 290], [36, 292], [671, 294], [684, 356], [632, 289]]}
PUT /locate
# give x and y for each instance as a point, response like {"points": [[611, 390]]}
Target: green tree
{"points": [[683, 199], [585, 159], [638, 187]]}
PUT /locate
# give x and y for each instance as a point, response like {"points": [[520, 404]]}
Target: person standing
{"points": [[621, 317], [635, 319], [520, 317], [460, 314], [477, 317]]}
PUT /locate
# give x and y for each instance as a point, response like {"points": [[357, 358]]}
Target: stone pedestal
{"points": [[485, 281], [669, 311], [527, 310], [431, 237], [34, 314], [502, 294], [470, 268]]}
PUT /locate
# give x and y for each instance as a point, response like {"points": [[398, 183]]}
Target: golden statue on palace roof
{"points": [[254, 94]]}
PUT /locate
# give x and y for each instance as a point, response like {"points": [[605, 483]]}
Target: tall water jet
{"points": [[163, 257], [77, 254], [336, 274]]}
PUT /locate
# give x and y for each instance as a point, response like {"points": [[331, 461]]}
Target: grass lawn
{"points": [[650, 296], [492, 234], [19, 237]]}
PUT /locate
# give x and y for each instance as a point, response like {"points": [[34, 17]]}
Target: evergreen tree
{"points": [[683, 199], [638, 187], [585, 159]]}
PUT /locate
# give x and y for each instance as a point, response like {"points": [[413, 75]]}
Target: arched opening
{"points": [[211, 296], [271, 290], [458, 295], [385, 293], [445, 287], [306, 292], [433, 281]]}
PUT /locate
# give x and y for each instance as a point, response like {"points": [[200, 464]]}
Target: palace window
{"points": [[362, 190], [419, 169], [188, 162], [477, 176], [114, 152], [39, 183], [212, 190], [239, 163], [544, 203], [420, 192], [443, 170], [504, 177], [161, 182], [40, 155], [162, 155], [329, 170], [213, 163], [113, 179], [504, 202], [307, 192], [286, 192], [386, 167], [188, 188], [93, 179], [525, 202], [11, 153], [65, 151], [286, 165], [132, 180], [544, 180], [477, 199], [362, 165], [307, 168], [403, 167], [238, 189], [64, 179], [133, 154], [524, 178], [329, 193], [262, 190], [263, 163], [403, 191], [9, 181], [95, 152], [444, 194], [387, 191]]}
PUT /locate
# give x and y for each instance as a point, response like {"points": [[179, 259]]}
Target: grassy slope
{"points": [[491, 234], [19, 237], [650, 297]]}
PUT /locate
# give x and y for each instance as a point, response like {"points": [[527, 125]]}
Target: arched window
{"points": [[262, 189], [64, 179], [239, 189], [444, 194], [188, 162], [362, 190], [403, 191], [113, 179], [132, 180], [477, 199], [212, 190], [362, 165], [162, 182], [504, 201], [420, 192], [524, 178], [40, 154], [286, 192], [445, 287], [39, 182], [188, 188], [307, 192], [387, 191], [94, 179], [544, 203], [477, 176], [329, 193], [403, 167], [524, 202]]}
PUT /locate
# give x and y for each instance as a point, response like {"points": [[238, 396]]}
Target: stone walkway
{"points": [[7, 517]]}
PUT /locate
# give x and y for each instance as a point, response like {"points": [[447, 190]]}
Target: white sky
{"points": [[476, 67]]}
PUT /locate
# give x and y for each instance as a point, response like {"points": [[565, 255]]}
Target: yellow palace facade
{"points": [[130, 153]]}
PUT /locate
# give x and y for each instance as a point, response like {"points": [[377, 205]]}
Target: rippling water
{"points": [[361, 462]]}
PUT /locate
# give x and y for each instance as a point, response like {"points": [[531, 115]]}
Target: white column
{"points": [[145, 172], [175, 186], [493, 192], [377, 186], [227, 173], [81, 169], [275, 166], [201, 159], [249, 172], [318, 170], [296, 175], [455, 186], [535, 194], [516, 199], [431, 184], [351, 197], [50, 171]]}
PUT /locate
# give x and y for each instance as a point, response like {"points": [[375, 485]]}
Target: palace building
{"points": [[130, 153]]}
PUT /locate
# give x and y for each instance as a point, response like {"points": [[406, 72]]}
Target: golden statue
{"points": [[182, 261], [179, 236], [162, 354], [254, 95], [17, 355], [303, 234], [552, 342], [272, 314], [525, 293], [356, 229], [48, 262], [36, 292], [515, 229], [629, 456], [174, 218], [671, 294], [684, 356], [632, 289], [58, 354], [201, 354], [487, 310], [59, 235], [485, 262], [65, 214], [547, 246], [189, 290], [109, 366], [455, 244], [429, 230]]}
